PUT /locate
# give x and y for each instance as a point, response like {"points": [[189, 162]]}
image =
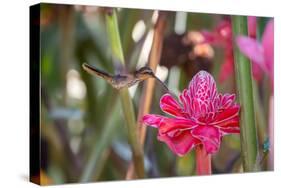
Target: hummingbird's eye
{"points": [[147, 70]]}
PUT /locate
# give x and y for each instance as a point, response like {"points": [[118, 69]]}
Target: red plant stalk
{"points": [[203, 161]]}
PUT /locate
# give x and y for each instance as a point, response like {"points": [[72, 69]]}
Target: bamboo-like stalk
{"points": [[149, 85], [203, 161], [271, 133], [260, 115], [248, 135], [67, 28], [126, 101]]}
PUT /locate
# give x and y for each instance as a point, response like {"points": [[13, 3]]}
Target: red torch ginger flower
{"points": [[202, 116]]}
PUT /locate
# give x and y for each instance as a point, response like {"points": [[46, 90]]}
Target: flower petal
{"points": [[227, 100], [257, 72], [203, 86], [179, 124], [229, 130], [228, 121], [224, 30], [252, 49], [268, 46], [233, 122], [169, 105], [227, 68], [202, 92], [185, 100], [252, 26], [209, 37], [226, 115], [230, 126], [181, 143], [152, 120], [209, 136]]}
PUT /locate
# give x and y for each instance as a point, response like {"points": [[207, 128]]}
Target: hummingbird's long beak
{"points": [[165, 86], [162, 83]]}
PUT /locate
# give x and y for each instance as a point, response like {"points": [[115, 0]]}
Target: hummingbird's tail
{"points": [[94, 71]]}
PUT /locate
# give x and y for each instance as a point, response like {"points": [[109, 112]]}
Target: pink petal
{"points": [[257, 72], [209, 136], [268, 46], [181, 143], [229, 130], [152, 120], [202, 93], [209, 37], [224, 30], [252, 26], [231, 122], [228, 121], [227, 69], [169, 105], [226, 115], [170, 124], [186, 101], [252, 49], [221, 35], [227, 100], [203, 86]]}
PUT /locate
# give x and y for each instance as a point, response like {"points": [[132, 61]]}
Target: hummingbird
{"points": [[120, 81]]}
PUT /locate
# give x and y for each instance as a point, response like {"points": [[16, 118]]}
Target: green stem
{"points": [[128, 19], [100, 147], [114, 36], [248, 135], [126, 101], [271, 133], [260, 115]]}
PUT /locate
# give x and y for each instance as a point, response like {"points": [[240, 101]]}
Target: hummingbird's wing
{"points": [[94, 71]]}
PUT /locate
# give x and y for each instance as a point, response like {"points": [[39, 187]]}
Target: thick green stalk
{"points": [[260, 115], [271, 133], [126, 101], [114, 36], [248, 135], [100, 147]]}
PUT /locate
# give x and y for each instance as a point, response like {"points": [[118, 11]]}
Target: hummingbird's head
{"points": [[144, 73]]}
